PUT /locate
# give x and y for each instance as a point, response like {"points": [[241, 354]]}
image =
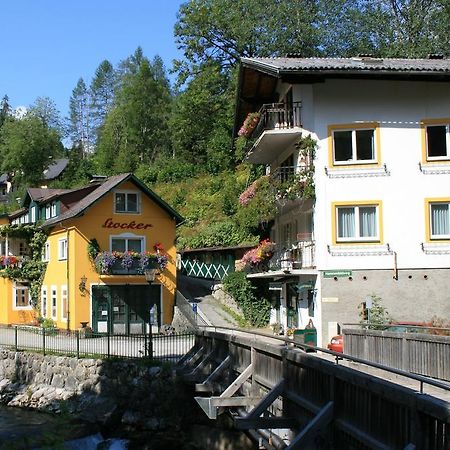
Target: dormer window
{"points": [[50, 210], [126, 202]]}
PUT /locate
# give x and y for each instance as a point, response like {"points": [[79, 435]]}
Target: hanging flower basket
{"points": [[250, 123], [128, 263]]}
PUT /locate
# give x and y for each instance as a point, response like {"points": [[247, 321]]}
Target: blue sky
{"points": [[47, 45]]}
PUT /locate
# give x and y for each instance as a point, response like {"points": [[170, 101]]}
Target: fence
{"points": [[415, 352], [204, 270], [97, 345]]}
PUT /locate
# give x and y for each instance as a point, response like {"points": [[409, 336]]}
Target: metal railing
{"points": [[411, 348], [299, 256], [277, 116], [88, 344]]}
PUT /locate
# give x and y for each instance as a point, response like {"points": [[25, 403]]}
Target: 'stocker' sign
{"points": [[126, 225]]}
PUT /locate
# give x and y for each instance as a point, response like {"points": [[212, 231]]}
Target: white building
{"points": [[380, 221]]}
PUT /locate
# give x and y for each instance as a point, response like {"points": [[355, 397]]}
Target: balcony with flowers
{"points": [[257, 259], [274, 126]]}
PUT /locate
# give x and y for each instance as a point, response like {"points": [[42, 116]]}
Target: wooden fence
{"points": [[420, 353], [204, 270]]}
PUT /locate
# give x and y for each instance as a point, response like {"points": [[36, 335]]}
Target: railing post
{"points": [[43, 340], [16, 338], [145, 345], [78, 343], [108, 345]]}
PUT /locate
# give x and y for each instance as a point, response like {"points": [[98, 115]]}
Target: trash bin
{"points": [[307, 336]]}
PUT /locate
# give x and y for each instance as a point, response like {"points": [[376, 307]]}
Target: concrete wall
{"points": [[410, 298]]}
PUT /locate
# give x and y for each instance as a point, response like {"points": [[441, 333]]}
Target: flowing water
{"points": [[28, 429]]}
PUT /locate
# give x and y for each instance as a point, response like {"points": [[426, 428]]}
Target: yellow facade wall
{"points": [[98, 222]]}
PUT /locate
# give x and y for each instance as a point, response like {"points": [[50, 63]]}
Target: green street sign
{"points": [[337, 273]]}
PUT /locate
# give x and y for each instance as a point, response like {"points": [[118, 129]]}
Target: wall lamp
{"points": [[150, 274], [82, 285]]}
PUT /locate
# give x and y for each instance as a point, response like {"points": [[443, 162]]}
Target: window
{"points": [[62, 249], [48, 211], [33, 214], [354, 144], [437, 138], [357, 223], [54, 300], [53, 210], [64, 303], [46, 252], [21, 296], [23, 250], [439, 219], [44, 301], [126, 202], [128, 244]]}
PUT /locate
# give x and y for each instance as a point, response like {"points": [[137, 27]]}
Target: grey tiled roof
{"points": [[357, 64], [55, 168]]}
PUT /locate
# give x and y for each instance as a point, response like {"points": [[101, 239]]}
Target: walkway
{"points": [[209, 309]]}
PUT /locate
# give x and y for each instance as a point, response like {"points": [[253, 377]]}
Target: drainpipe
{"points": [[67, 277]]}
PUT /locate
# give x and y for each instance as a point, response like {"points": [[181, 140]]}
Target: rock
{"points": [[130, 417]]}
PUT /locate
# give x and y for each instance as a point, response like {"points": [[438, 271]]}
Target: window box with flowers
{"points": [[129, 263], [257, 259]]}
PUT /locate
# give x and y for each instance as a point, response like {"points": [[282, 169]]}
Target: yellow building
{"points": [[130, 229]]}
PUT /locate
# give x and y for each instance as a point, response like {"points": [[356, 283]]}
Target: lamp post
{"points": [[150, 277]]}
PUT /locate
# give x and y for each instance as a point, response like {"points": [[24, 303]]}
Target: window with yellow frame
{"points": [[435, 140], [354, 144], [357, 222], [438, 219]]}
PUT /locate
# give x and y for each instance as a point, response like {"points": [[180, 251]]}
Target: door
{"points": [[124, 309]]}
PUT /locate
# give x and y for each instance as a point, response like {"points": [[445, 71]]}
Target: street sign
{"points": [[337, 273], [194, 307]]}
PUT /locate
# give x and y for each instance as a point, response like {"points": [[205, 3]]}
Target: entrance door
{"points": [[124, 309]]}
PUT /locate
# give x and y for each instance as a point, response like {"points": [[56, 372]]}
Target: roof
{"points": [[216, 249], [41, 194], [55, 168], [357, 65], [89, 200]]}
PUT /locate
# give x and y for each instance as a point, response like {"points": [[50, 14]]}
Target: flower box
{"points": [[128, 263]]}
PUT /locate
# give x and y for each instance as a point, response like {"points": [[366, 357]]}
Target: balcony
{"points": [[300, 255], [278, 127]]}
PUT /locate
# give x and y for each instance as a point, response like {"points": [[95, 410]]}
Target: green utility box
{"points": [[306, 336]]}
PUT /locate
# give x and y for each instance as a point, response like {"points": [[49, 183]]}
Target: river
{"points": [[28, 429]]}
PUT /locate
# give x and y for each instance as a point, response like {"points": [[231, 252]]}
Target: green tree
{"points": [[26, 149], [44, 108], [80, 117], [136, 130], [5, 110], [102, 94]]}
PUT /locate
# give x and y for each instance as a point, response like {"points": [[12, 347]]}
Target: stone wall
{"points": [[96, 390]]}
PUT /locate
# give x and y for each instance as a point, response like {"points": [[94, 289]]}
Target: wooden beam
{"points": [[215, 374], [315, 427], [275, 392], [242, 423], [210, 404], [238, 382], [191, 376]]}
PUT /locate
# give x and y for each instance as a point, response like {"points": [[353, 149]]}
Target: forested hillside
{"points": [[178, 137]]}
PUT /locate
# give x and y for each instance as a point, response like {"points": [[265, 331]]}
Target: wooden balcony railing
{"points": [[276, 116]]}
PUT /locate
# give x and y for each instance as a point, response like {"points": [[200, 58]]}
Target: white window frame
{"points": [[437, 237], [64, 303], [48, 211], [53, 210], [126, 236], [447, 140], [46, 252], [44, 301], [54, 302], [127, 192], [20, 287], [33, 214], [62, 249], [358, 237], [354, 159]]}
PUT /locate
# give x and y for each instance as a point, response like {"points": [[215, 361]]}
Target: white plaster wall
{"points": [[398, 107]]}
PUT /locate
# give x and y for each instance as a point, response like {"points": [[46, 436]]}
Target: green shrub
{"points": [[256, 308]]}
